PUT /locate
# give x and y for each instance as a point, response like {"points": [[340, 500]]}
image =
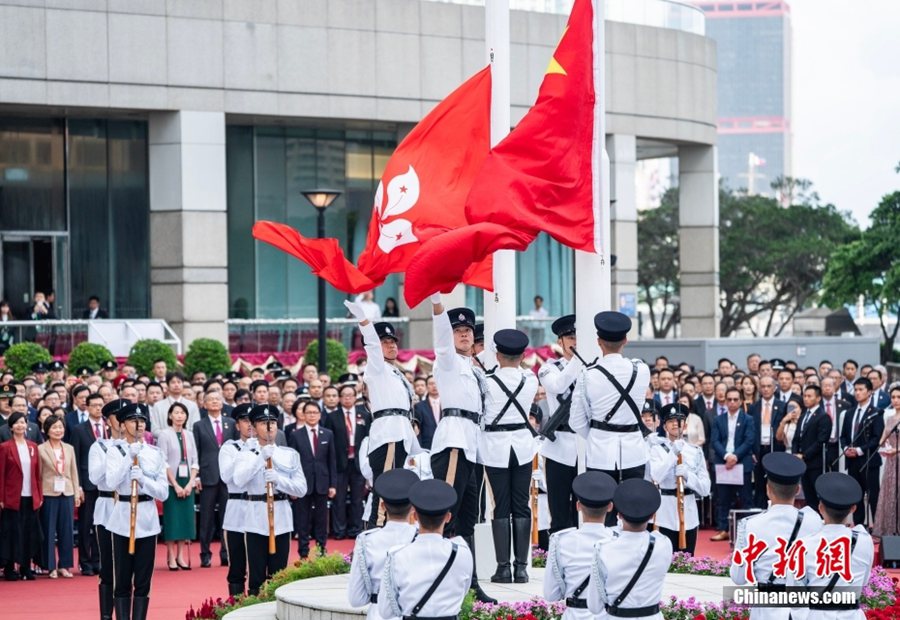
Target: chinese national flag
{"points": [[540, 178], [422, 194]]}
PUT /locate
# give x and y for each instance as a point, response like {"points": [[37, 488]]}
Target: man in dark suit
{"points": [[348, 420], [78, 411], [210, 433], [732, 444], [317, 457], [767, 413], [848, 391], [666, 395], [18, 404], [880, 397], [784, 392], [94, 311], [860, 435], [428, 413], [835, 408], [810, 442], [83, 437]]}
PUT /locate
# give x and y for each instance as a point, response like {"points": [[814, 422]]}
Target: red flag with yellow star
{"points": [[422, 193], [540, 178]]}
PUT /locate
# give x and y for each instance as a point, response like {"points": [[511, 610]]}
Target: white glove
{"points": [[271, 475], [537, 475], [681, 471], [678, 445], [137, 474], [267, 451], [134, 449], [436, 298], [356, 310]]}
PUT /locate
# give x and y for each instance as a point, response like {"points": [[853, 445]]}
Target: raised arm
{"points": [[370, 338]]}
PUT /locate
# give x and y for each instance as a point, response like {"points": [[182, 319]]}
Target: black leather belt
{"points": [[834, 607], [373, 598], [576, 603], [237, 496], [143, 498], [263, 497], [675, 491], [615, 428], [632, 612], [460, 413], [107, 494], [389, 412], [505, 428]]}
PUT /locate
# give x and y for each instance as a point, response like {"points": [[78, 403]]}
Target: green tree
{"points": [[206, 355], [658, 263], [870, 266]]}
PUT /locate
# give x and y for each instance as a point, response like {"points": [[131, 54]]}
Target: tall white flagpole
{"points": [[499, 306], [593, 276]]}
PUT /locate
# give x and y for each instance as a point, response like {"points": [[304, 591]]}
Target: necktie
{"points": [[82, 417], [856, 420], [721, 409], [315, 440], [218, 433], [709, 405], [829, 412], [767, 413], [668, 400], [97, 430], [436, 410], [804, 421], [351, 449]]}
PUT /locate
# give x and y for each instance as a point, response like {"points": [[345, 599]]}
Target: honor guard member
{"points": [[506, 448], [571, 550], [454, 446], [781, 520], [629, 570], [370, 551], [144, 464], [665, 471], [236, 509], [428, 578], [839, 495], [106, 450], [606, 407], [391, 436], [559, 446], [478, 342], [254, 470], [650, 420]]}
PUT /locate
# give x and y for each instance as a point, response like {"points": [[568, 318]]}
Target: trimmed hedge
{"points": [[206, 355], [19, 358], [335, 356], [88, 354], [144, 352]]}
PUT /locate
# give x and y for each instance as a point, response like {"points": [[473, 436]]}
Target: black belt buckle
{"points": [[674, 492], [107, 494], [460, 413], [576, 603], [263, 497], [237, 496], [632, 612], [373, 598], [614, 428], [505, 428], [383, 413], [144, 498]]}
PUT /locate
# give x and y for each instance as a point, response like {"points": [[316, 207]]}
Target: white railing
{"points": [[60, 336]]}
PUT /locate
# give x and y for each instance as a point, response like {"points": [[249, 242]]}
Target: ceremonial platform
{"points": [[325, 598]]}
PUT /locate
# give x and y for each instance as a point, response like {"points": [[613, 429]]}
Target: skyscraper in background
{"points": [[754, 88]]}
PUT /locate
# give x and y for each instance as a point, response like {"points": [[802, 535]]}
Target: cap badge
{"points": [[462, 317]]}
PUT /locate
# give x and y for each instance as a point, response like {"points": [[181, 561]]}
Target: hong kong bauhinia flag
{"points": [[541, 177], [422, 194]]}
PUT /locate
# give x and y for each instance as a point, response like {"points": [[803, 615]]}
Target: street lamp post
{"points": [[321, 199]]}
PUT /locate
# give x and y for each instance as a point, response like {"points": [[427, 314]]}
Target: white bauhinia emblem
{"points": [[402, 195], [462, 317]]}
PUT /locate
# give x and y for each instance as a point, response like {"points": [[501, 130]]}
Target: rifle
{"points": [[134, 508], [535, 465], [270, 500], [679, 497]]}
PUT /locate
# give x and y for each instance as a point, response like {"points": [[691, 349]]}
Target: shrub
{"points": [[335, 356], [88, 354], [206, 355], [144, 352], [21, 357]]}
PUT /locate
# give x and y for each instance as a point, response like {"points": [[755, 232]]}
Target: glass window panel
{"points": [[32, 191], [272, 264], [241, 246]]}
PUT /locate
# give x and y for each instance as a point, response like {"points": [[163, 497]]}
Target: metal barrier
{"points": [[60, 336], [277, 335]]}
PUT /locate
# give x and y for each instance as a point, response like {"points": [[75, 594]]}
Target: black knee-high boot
{"points": [[521, 548], [500, 531], [480, 595]]}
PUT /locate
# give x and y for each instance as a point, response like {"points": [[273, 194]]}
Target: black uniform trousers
{"points": [[88, 550], [261, 564], [690, 539], [237, 558], [620, 475], [377, 460], [213, 500], [511, 487], [760, 497], [312, 521], [560, 500], [465, 483], [133, 570], [104, 544], [346, 517], [832, 463], [808, 482], [869, 481]]}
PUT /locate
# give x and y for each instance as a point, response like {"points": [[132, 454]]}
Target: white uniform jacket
{"points": [[369, 556], [594, 399], [155, 486], [558, 378], [411, 569], [236, 509], [569, 561], [388, 389], [663, 459], [616, 562], [777, 521], [249, 477], [461, 386], [860, 567], [494, 446], [101, 452]]}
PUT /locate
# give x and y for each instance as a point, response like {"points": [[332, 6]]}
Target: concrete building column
{"points": [[622, 150], [698, 234], [188, 228]]}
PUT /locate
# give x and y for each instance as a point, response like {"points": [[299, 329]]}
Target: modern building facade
{"points": [[754, 90], [139, 141]]}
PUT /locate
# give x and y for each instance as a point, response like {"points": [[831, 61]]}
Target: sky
{"points": [[846, 112]]}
